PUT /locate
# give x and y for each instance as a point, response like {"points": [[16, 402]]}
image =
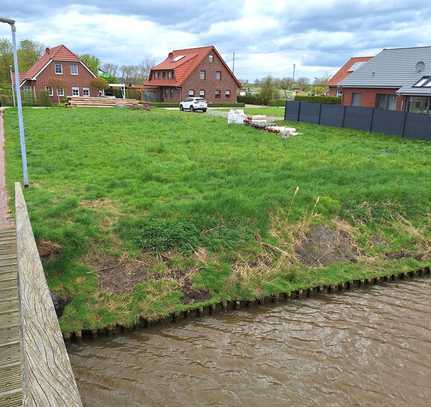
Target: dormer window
{"points": [[59, 69], [202, 75], [177, 58], [74, 69], [210, 58], [424, 82]]}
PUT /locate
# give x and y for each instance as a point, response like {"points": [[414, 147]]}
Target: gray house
{"points": [[395, 79]]}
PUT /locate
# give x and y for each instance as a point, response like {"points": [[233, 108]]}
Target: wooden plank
{"points": [[48, 378]]}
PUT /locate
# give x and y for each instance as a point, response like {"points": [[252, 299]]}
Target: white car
{"points": [[193, 104]]}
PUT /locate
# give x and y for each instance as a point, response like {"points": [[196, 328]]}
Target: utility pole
{"points": [[18, 101], [294, 69], [11, 82], [233, 62]]}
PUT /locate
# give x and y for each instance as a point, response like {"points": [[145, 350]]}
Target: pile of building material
{"points": [[87, 101], [259, 122]]}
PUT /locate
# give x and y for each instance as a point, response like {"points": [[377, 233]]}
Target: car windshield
{"points": [[199, 99]]}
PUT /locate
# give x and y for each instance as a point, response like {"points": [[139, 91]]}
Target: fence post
{"points": [[299, 112], [371, 121], [344, 116], [404, 124], [285, 111]]}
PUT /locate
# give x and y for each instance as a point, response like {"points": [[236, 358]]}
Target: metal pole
{"points": [[233, 62], [293, 76], [11, 81], [19, 105]]}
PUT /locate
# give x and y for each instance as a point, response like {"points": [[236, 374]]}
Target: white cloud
{"points": [[267, 36]]}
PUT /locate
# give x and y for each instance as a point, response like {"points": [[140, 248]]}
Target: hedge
{"points": [[257, 100], [334, 100]]}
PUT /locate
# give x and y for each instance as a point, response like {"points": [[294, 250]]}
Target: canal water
{"points": [[368, 347]]}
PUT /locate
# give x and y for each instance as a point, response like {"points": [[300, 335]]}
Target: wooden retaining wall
{"points": [[226, 306], [48, 379]]}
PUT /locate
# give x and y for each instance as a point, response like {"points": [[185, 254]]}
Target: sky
{"points": [[267, 36]]}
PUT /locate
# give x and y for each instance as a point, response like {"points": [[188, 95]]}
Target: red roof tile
{"points": [[344, 70], [59, 53], [183, 67]]}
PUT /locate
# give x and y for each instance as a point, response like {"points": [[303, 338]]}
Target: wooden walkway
{"points": [[10, 341]]}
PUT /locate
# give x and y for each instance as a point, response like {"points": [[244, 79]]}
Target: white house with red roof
{"points": [[60, 73], [192, 72]]}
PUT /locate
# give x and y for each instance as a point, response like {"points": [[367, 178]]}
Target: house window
{"points": [[101, 92], [49, 91], [217, 94], [191, 92], [172, 92], [227, 93], [386, 102], [27, 89], [202, 75], [169, 75], [202, 93], [59, 69], [419, 104], [74, 69], [211, 58], [75, 91], [60, 92], [356, 99], [218, 75], [85, 91], [163, 74]]}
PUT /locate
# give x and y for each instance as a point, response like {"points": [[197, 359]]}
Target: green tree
{"points": [[92, 62], [28, 53], [268, 90], [99, 84]]}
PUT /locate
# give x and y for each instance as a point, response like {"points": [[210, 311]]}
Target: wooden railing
{"points": [[48, 379]]}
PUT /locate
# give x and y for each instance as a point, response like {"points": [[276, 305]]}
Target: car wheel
{"points": [[204, 110], [192, 109], [181, 108]]}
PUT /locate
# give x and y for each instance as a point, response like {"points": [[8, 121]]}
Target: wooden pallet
{"points": [[84, 101]]}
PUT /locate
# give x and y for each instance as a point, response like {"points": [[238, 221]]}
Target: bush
{"points": [[257, 100], [333, 100], [43, 99]]}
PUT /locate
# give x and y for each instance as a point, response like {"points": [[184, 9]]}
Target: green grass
{"points": [[205, 211], [268, 111]]}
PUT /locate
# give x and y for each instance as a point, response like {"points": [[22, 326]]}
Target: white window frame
{"points": [[202, 93], [202, 74], [191, 92], [215, 76], [61, 69], [211, 58], [227, 93], [50, 90], [72, 72], [86, 90], [75, 88], [60, 91], [217, 94]]}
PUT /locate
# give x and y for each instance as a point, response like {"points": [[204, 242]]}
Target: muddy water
{"points": [[361, 348]]}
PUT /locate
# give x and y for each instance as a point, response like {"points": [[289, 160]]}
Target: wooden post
{"points": [[48, 378]]}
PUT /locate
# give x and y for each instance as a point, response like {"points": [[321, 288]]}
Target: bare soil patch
{"points": [[322, 246], [47, 249]]}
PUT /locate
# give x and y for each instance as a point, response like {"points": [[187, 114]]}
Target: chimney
{"points": [[47, 50]]}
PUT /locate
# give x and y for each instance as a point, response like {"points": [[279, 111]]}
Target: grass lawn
{"points": [[268, 111], [144, 213]]}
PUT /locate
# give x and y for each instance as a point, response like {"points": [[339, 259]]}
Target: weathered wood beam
{"points": [[48, 378]]}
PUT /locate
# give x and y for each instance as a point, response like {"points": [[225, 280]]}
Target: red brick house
{"points": [[192, 72], [350, 66], [395, 79], [60, 73]]}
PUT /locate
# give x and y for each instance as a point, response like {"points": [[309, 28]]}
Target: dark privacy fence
{"points": [[409, 125]]}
